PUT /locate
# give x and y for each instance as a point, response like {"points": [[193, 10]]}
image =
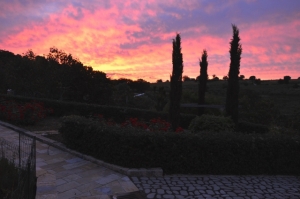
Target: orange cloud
{"points": [[133, 39]]}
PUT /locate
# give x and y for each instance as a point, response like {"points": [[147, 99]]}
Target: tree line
{"points": [[60, 76]]}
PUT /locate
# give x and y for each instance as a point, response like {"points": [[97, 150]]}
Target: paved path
{"points": [[62, 175], [227, 187]]}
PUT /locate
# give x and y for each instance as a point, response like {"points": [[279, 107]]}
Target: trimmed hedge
{"points": [[118, 114], [248, 127], [206, 153]]}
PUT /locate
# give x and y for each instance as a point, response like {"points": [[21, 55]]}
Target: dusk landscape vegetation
{"points": [[216, 83]]}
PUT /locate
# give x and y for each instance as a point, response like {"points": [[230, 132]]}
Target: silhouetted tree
{"points": [[252, 78], [186, 78], [280, 81], [215, 78], [139, 85], [56, 76], [202, 81], [286, 79], [242, 77], [257, 81], [225, 77], [176, 83], [233, 81], [159, 81]]}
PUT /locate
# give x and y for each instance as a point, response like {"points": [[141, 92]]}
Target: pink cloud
{"points": [[119, 39]]}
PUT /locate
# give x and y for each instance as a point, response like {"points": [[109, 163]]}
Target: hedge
{"points": [[118, 114], [226, 153]]}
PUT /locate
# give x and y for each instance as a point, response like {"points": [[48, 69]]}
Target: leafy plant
{"points": [[255, 109], [248, 127], [8, 178], [23, 113], [211, 123]]}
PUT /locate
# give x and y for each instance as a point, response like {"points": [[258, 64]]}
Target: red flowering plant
{"points": [[159, 125], [134, 122], [26, 113], [155, 125]]}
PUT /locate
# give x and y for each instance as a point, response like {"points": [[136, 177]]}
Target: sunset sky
{"points": [[133, 38]]}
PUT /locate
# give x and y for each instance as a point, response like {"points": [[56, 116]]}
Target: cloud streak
{"points": [[133, 38]]}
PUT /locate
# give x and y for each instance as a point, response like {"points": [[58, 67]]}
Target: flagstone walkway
{"points": [[63, 175]]}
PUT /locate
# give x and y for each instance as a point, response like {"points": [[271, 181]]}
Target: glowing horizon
{"points": [[133, 39]]}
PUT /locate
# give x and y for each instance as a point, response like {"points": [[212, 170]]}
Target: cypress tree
{"points": [[232, 102], [176, 83], [202, 81]]}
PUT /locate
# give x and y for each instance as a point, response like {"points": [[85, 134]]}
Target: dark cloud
{"points": [[132, 45], [76, 16]]}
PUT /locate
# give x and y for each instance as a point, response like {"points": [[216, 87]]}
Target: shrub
{"points": [[255, 109], [211, 123], [294, 120], [248, 127], [8, 178], [227, 153]]}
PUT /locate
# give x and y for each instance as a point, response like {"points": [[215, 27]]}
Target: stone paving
{"points": [[62, 175], [227, 187]]}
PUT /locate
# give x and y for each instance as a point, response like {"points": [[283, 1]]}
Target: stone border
{"points": [[139, 172]]}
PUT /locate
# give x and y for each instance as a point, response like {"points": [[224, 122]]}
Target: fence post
{"points": [[34, 166], [28, 182], [19, 150]]}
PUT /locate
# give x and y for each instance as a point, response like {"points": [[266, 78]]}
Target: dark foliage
{"points": [[255, 109], [286, 79], [57, 76], [248, 127], [14, 181], [257, 81], [139, 85], [280, 81], [186, 78], [211, 123], [252, 78], [8, 178], [176, 83], [202, 81], [225, 153], [233, 81], [118, 114], [161, 99]]}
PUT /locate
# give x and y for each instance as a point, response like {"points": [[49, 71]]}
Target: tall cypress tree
{"points": [[176, 83], [202, 81], [232, 102]]}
